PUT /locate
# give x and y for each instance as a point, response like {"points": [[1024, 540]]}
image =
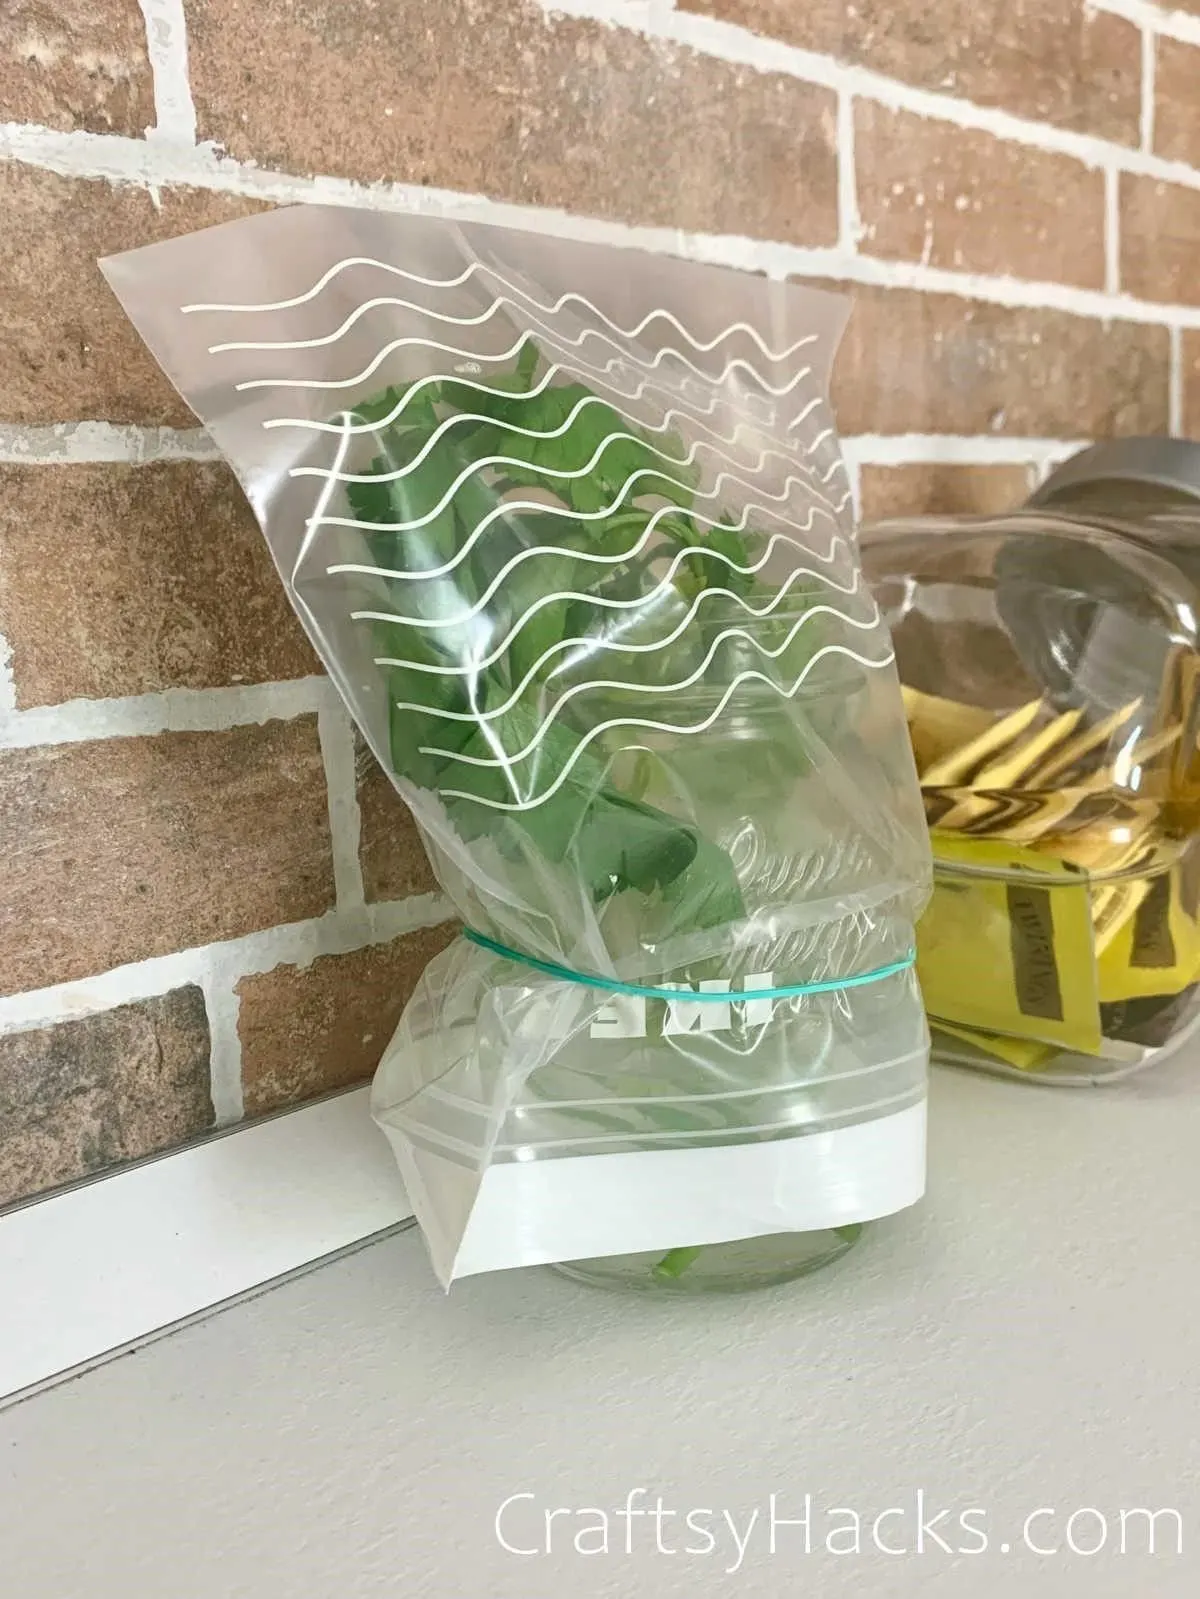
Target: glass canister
{"points": [[819, 1058], [1050, 670]]}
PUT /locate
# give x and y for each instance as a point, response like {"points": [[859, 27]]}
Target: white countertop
{"points": [[1028, 1339]]}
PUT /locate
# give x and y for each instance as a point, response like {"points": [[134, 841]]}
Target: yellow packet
{"points": [[1156, 950], [1023, 1053], [1059, 762], [1007, 770], [936, 726], [1114, 905], [956, 767], [1013, 952]]}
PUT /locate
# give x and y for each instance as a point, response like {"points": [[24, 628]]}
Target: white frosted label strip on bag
{"points": [[531, 1213]]}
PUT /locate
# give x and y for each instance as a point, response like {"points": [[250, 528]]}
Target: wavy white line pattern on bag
{"points": [[362, 569], [351, 430], [552, 337], [580, 405], [434, 378], [592, 644], [749, 675], [410, 394], [511, 757], [776, 391], [504, 507], [553, 598], [660, 313], [328, 339]]}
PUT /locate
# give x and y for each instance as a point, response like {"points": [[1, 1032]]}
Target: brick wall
{"points": [[208, 907]]}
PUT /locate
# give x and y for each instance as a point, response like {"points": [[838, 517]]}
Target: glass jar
{"points": [[1050, 672], [823, 897], [738, 1267]]}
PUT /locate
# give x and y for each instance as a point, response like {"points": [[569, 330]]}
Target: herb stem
{"points": [[675, 1262]]}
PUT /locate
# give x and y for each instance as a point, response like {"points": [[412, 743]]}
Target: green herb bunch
{"points": [[474, 654]]}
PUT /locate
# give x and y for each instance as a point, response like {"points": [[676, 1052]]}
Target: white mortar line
{"points": [[8, 693], [1112, 231], [1175, 418], [854, 478], [223, 1005], [336, 732], [132, 161], [849, 221], [637, 13], [125, 160], [1172, 24], [940, 449], [1044, 463], [70, 443], [178, 710], [1037, 456], [221, 965], [726, 41], [1149, 87], [166, 45], [391, 918]]}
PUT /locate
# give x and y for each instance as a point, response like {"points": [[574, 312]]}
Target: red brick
{"points": [[504, 100], [67, 350], [930, 363], [1160, 241], [1052, 60], [1177, 101], [307, 1030], [130, 847], [177, 590], [393, 859], [85, 1095], [76, 64], [949, 197], [1191, 384], [928, 489]]}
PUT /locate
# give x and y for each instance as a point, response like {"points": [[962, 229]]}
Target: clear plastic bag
{"points": [[570, 528]]}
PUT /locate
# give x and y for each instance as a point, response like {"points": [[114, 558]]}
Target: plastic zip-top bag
{"points": [[570, 529]]}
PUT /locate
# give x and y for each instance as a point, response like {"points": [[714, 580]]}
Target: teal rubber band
{"points": [[614, 985]]}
